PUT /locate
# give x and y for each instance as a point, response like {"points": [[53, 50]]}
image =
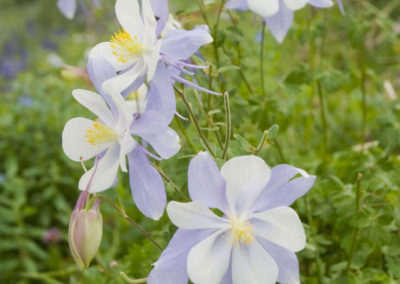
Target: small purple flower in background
{"points": [[52, 236], [25, 101], [278, 14], [142, 50], [68, 7], [13, 58], [110, 137], [257, 236]]}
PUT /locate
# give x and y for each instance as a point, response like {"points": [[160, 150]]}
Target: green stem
{"points": [[241, 72], [209, 119], [262, 57], [323, 118], [364, 94], [130, 280], [169, 181], [196, 124], [122, 213], [262, 142], [280, 152], [183, 131], [228, 132], [357, 230], [203, 12]]}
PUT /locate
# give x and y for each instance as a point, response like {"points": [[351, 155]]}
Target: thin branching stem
{"points": [[130, 280], [196, 124], [228, 132], [209, 119], [169, 181], [121, 211], [356, 230], [262, 57], [262, 142], [183, 131]]}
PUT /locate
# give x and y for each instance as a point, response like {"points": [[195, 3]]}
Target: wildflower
{"points": [[278, 14], [52, 235], [255, 238], [109, 137], [141, 51]]}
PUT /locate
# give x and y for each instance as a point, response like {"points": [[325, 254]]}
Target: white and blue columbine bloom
{"points": [[277, 14], [143, 51], [109, 137], [255, 237]]}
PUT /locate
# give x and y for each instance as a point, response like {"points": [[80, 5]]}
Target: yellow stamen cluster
{"points": [[98, 133], [134, 96], [125, 47], [241, 230]]}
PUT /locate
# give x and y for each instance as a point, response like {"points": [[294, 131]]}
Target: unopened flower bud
{"points": [[84, 233]]}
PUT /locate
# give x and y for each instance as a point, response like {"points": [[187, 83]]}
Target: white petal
{"points": [[281, 226], [194, 215], [150, 22], [105, 51], [152, 60], [125, 114], [264, 8], [127, 145], [246, 177], [295, 4], [96, 104], [128, 14], [74, 142], [106, 171], [124, 80], [208, 261], [252, 264]]}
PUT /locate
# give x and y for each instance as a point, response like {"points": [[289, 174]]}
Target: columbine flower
{"points": [[68, 7], [255, 239], [110, 138], [278, 14], [137, 100], [138, 52]]}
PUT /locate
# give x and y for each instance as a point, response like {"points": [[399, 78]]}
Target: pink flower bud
{"points": [[84, 233]]}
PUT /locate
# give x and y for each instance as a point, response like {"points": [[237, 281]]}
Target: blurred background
{"points": [[332, 87]]}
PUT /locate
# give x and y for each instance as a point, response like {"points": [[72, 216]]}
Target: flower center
{"points": [[134, 96], [241, 230], [98, 133], [124, 47]]}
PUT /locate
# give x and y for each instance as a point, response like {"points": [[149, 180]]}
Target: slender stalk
{"points": [[241, 72], [130, 280], [196, 124], [228, 120], [323, 118], [203, 11], [364, 93], [262, 142], [209, 119], [183, 131], [122, 213], [262, 57], [280, 152], [220, 8], [357, 230], [169, 181]]}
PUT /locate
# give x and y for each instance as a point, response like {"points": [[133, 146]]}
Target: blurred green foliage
{"points": [[353, 231]]}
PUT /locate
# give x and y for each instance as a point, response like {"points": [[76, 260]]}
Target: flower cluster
{"points": [[239, 227], [278, 14]]}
